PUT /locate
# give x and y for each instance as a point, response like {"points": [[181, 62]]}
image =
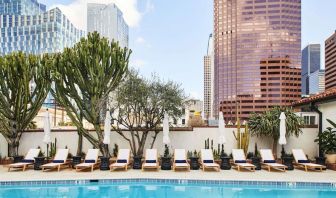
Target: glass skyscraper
{"points": [[108, 20], [27, 26], [311, 61], [257, 55]]}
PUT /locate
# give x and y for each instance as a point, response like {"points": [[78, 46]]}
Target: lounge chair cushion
{"points": [[121, 161], [269, 161], [150, 161], [89, 161], [208, 161], [303, 161], [27, 161], [58, 161], [180, 161], [240, 161]]}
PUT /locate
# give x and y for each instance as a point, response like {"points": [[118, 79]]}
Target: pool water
{"points": [[148, 190]]}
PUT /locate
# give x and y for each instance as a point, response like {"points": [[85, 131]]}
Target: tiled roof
{"points": [[326, 95]]}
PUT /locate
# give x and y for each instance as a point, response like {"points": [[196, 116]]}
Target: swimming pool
{"points": [[165, 188]]}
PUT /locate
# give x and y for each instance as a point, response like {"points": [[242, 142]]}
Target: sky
{"points": [[169, 37]]}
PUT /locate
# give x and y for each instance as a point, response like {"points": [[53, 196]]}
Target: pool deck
{"points": [[328, 176]]}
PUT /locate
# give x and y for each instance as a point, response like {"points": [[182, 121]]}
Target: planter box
{"points": [[6, 161], [331, 166]]}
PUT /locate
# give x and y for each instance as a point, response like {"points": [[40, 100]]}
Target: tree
{"points": [[139, 107], [267, 124], [25, 81], [84, 77], [196, 121]]}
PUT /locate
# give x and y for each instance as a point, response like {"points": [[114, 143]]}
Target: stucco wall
{"points": [[328, 112], [190, 140]]}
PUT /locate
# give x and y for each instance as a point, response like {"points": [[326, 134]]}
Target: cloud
{"points": [[138, 63], [76, 11], [195, 95], [140, 40]]}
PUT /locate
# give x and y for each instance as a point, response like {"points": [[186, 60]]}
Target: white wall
{"points": [[190, 140], [328, 112]]}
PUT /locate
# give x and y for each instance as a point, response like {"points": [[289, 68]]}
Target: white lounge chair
{"points": [[207, 160], [28, 160], [123, 160], [151, 160], [302, 161], [239, 160], [90, 161], [59, 160], [180, 160], [268, 161]]}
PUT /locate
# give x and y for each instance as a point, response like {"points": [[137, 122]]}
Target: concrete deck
{"points": [[263, 175]]}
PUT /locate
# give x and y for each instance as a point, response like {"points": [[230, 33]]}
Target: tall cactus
{"points": [[24, 84], [243, 139], [84, 77]]}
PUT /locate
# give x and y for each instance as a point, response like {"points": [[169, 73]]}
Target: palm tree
{"points": [[267, 124]]}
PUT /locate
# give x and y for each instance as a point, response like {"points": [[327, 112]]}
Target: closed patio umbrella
{"points": [[46, 129], [107, 128], [282, 138], [221, 129], [166, 139]]}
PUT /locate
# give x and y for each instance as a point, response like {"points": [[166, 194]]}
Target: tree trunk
{"points": [[13, 148], [275, 147], [104, 150], [80, 144]]}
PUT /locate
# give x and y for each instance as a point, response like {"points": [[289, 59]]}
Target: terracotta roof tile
{"points": [[331, 93]]}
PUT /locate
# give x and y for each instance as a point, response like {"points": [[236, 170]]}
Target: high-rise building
{"points": [[27, 26], [208, 80], [108, 20], [317, 82], [257, 45], [311, 61], [330, 62]]}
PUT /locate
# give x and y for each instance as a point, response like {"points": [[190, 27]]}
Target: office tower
{"points": [[257, 46], [27, 26], [311, 61], [317, 82], [208, 80], [330, 62], [108, 20]]}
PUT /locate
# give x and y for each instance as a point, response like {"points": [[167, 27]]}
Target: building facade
{"points": [[330, 62], [317, 82], [108, 20], [311, 62], [27, 26], [248, 35], [208, 80]]}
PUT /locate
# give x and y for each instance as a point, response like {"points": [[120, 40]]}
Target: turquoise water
{"points": [[148, 190]]}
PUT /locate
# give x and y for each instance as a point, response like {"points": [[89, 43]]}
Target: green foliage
{"points": [[84, 77], [25, 81], [41, 154], [327, 139], [115, 150], [267, 124], [53, 148], [166, 151], [140, 104]]}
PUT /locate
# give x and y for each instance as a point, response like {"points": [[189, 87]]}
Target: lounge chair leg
{"points": [[306, 169], [9, 169], [269, 169], [59, 168]]}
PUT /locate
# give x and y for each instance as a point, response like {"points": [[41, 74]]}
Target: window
{"points": [[183, 121], [309, 120]]}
